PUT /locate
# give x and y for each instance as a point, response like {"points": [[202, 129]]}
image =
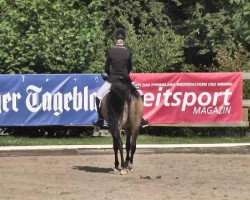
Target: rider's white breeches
{"points": [[104, 89]]}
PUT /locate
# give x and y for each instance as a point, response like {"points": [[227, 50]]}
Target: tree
{"points": [[42, 36], [208, 27], [56, 36]]}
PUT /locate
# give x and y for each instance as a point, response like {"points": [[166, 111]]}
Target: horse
{"points": [[122, 109]]}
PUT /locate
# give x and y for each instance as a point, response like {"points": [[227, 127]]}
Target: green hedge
{"points": [[72, 36]]}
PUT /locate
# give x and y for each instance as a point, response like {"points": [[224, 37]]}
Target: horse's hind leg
{"points": [[115, 147], [128, 149], [133, 148], [119, 146]]}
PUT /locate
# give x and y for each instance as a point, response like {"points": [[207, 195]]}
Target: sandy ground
{"points": [[155, 176]]}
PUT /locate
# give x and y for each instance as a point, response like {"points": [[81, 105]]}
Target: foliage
{"points": [[160, 51], [238, 61], [241, 19], [209, 26], [42, 36], [233, 61], [56, 36]]}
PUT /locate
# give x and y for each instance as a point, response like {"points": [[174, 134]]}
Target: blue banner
{"points": [[46, 99]]}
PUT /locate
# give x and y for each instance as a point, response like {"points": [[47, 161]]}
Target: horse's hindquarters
{"points": [[136, 112]]}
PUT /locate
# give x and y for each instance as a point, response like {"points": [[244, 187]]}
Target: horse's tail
{"points": [[120, 94]]}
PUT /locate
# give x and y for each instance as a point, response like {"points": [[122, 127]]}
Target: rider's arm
{"points": [[107, 65], [130, 63]]}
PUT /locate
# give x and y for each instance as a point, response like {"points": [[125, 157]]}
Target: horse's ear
{"points": [[104, 76]]}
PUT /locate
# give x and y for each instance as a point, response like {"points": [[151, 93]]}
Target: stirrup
{"points": [[99, 122], [144, 123]]}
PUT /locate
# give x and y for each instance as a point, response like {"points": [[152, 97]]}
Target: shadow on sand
{"points": [[93, 169]]}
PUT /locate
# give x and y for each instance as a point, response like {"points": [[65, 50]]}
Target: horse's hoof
{"points": [[130, 167], [116, 169], [124, 172]]}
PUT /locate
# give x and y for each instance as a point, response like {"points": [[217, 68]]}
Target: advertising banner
{"points": [[59, 99], [191, 97], [69, 99]]}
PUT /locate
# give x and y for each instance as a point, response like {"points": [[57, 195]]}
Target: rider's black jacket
{"points": [[118, 62]]}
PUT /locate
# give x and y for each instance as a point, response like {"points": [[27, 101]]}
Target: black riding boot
{"points": [[99, 121], [144, 122]]}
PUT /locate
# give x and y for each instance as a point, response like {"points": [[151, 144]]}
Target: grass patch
{"points": [[142, 139]]}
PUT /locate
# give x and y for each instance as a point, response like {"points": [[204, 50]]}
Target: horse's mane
{"points": [[121, 92]]}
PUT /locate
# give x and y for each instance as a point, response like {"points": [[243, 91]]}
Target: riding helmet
{"points": [[119, 34]]}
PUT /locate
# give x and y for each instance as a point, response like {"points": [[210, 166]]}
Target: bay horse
{"points": [[122, 109]]}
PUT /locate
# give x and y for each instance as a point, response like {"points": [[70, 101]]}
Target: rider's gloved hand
{"points": [[104, 76]]}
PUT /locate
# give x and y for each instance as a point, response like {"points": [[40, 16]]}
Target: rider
{"points": [[118, 64]]}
